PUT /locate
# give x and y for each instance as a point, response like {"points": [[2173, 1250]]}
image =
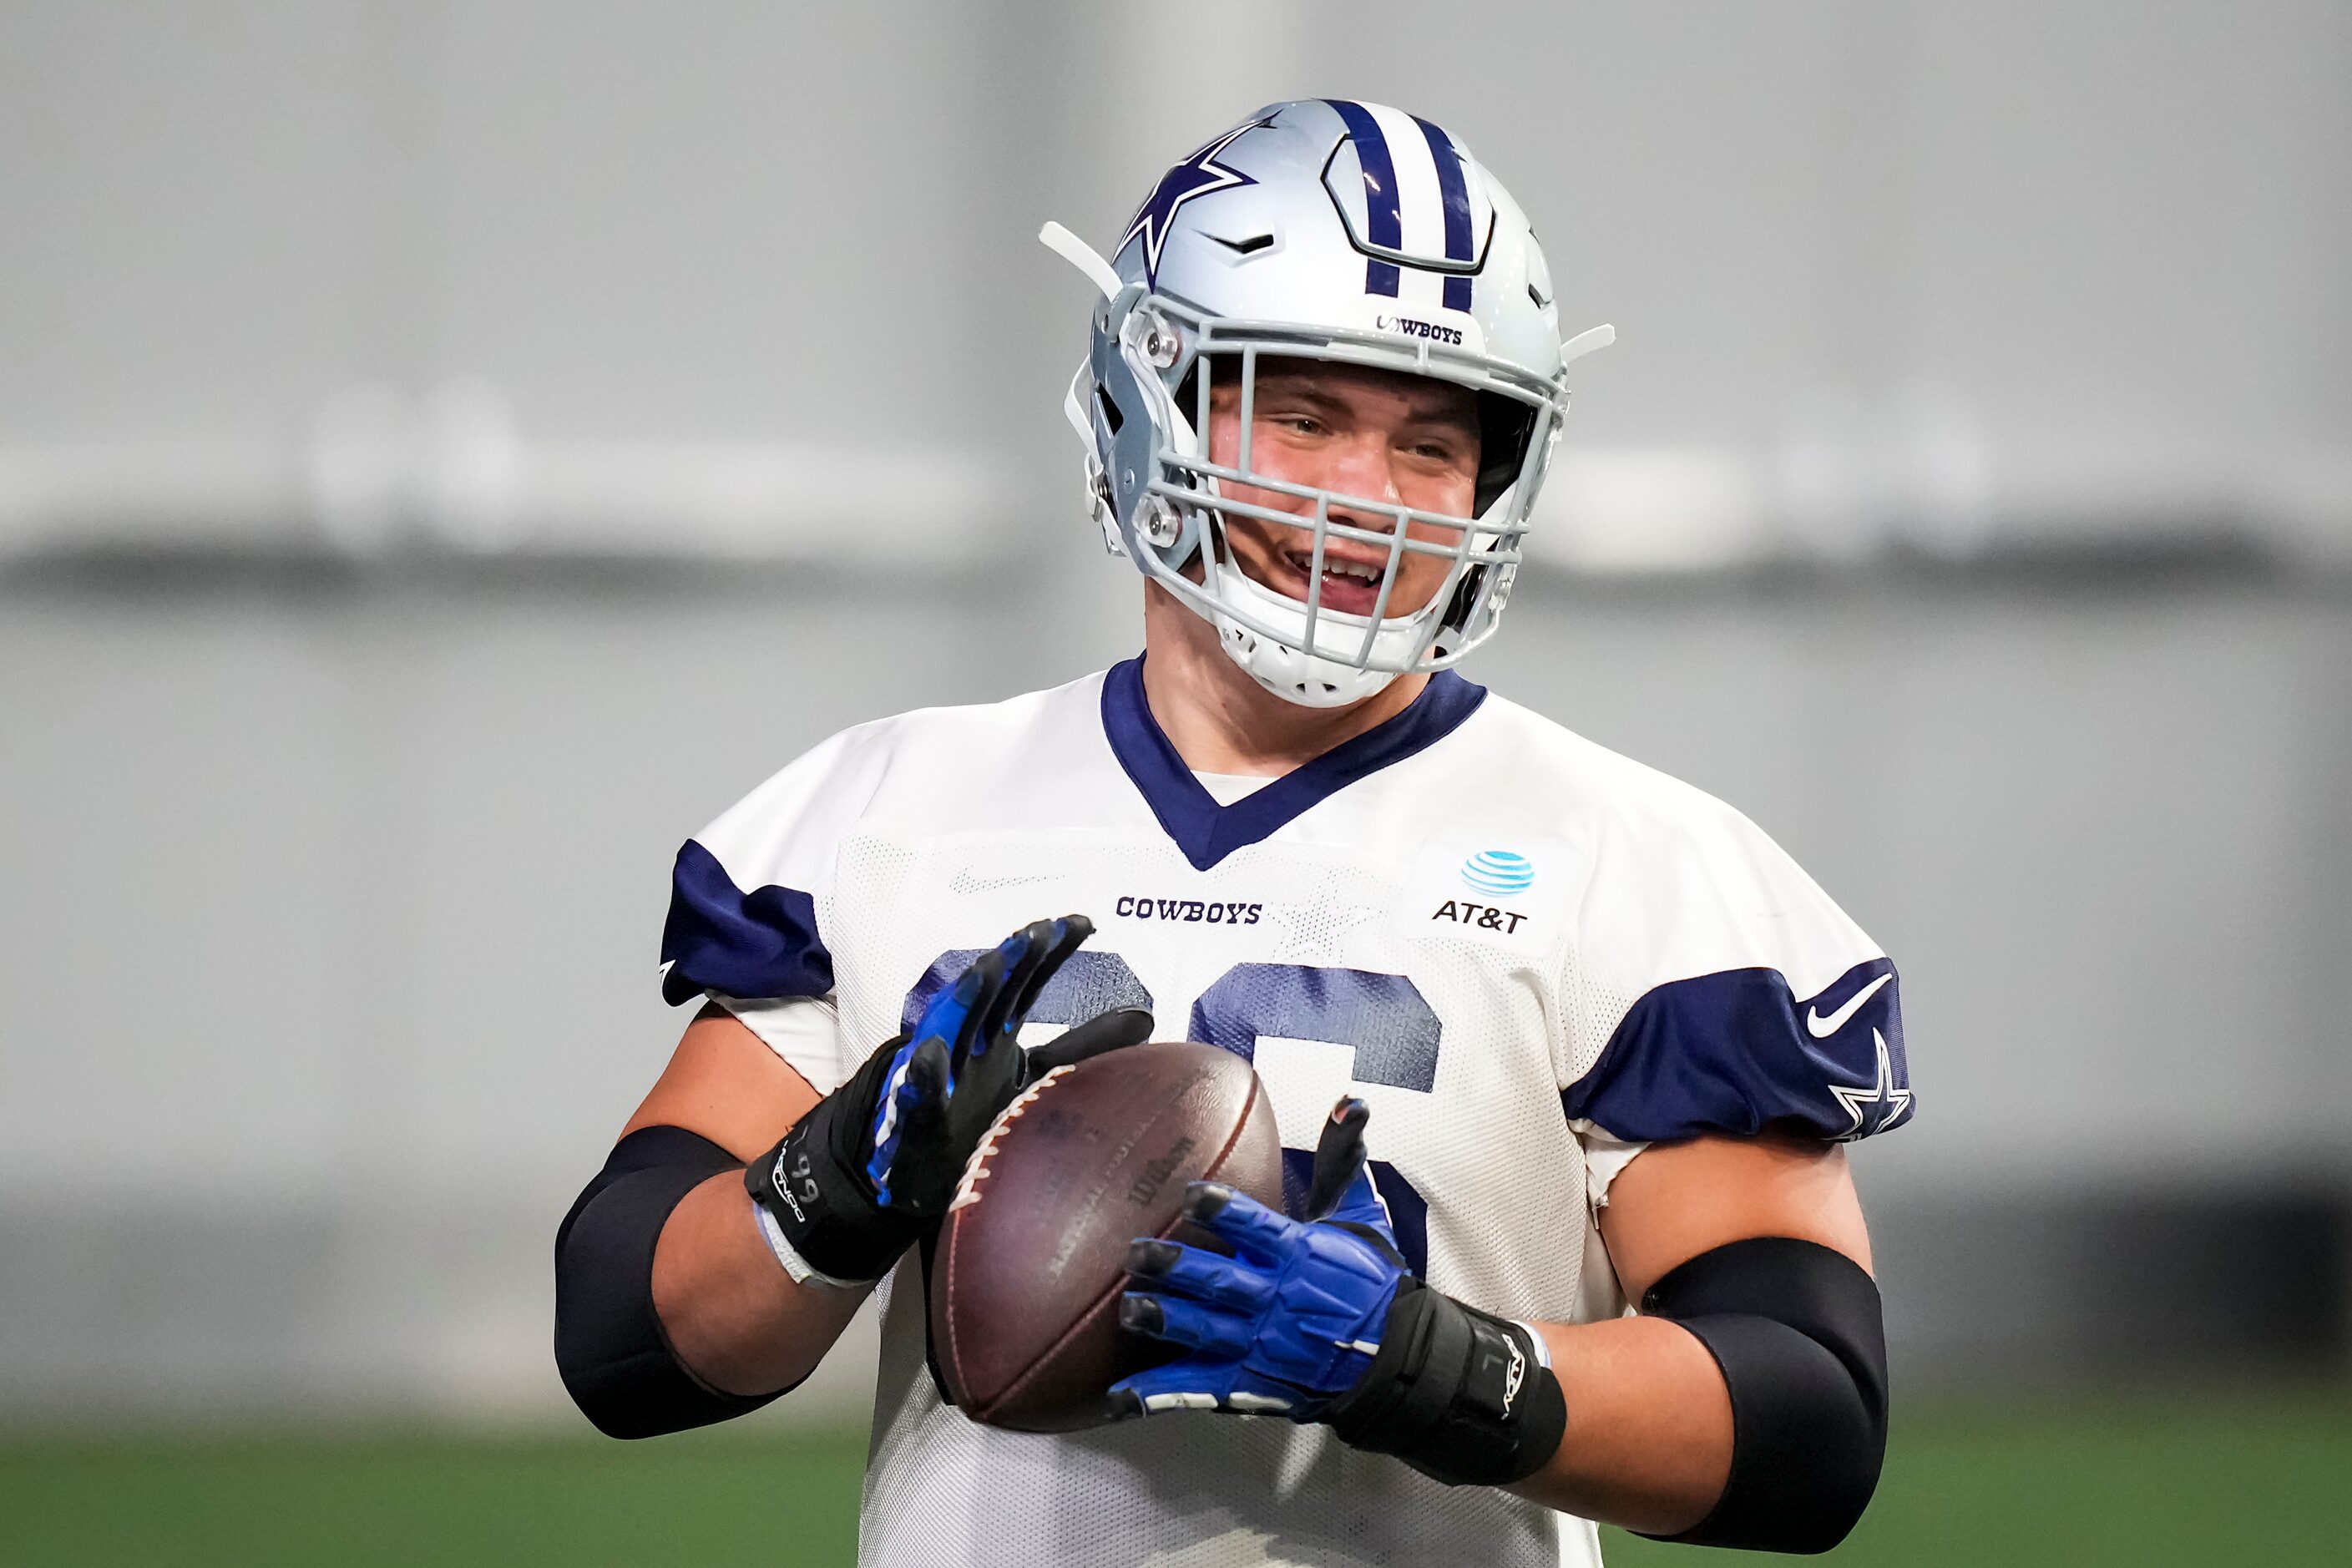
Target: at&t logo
{"points": [[1498, 873]]}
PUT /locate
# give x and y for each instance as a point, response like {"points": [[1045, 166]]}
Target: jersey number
{"points": [[1383, 1019]]}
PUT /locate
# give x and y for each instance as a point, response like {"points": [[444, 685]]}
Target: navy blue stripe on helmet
{"points": [[1455, 189], [1383, 223]]}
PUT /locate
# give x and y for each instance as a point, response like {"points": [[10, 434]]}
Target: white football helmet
{"points": [[1333, 230]]}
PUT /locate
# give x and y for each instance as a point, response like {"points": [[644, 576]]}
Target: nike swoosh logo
{"points": [[1823, 1028]]}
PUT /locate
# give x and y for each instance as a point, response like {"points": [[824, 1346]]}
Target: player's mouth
{"points": [[1350, 585]]}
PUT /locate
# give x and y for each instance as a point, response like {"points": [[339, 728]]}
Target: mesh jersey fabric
{"points": [[1466, 937]]}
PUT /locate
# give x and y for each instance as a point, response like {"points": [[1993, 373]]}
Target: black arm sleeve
{"points": [[616, 1362], [1798, 1332]]}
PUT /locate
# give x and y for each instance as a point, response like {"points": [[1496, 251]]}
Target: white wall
{"points": [[1958, 274]]}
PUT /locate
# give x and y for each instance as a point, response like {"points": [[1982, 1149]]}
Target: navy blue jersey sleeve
{"points": [[761, 943], [1757, 1004], [1739, 1052]]}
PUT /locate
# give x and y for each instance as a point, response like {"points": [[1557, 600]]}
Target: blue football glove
{"points": [[874, 1163], [1321, 1320], [1294, 1318]]}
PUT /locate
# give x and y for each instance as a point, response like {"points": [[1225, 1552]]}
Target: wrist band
{"points": [[802, 1272], [1461, 1395]]}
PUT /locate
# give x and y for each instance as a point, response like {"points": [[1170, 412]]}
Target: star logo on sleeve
{"points": [[1198, 175], [1878, 1107]]}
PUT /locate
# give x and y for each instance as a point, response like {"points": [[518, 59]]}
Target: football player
{"points": [[1600, 1039]]}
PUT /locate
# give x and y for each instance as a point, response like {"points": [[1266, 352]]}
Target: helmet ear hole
{"points": [[1112, 418], [1505, 425]]}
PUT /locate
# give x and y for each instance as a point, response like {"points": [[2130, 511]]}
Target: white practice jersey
{"points": [[1524, 952]]}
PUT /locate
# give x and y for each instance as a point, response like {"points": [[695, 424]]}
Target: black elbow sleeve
{"points": [[1798, 1332], [616, 1362]]}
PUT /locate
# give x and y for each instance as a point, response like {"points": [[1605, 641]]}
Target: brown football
{"points": [[1027, 1275]]}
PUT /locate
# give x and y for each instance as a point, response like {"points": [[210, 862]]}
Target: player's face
{"points": [[1375, 433]]}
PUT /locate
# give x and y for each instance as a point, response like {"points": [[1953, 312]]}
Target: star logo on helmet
{"points": [[1198, 175]]}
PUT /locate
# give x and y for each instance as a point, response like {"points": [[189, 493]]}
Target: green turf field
{"points": [[2213, 1481]]}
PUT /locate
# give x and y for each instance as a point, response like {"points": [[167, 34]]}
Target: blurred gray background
{"points": [[448, 452]]}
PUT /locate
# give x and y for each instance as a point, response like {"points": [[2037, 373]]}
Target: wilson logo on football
{"points": [[1146, 1187]]}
